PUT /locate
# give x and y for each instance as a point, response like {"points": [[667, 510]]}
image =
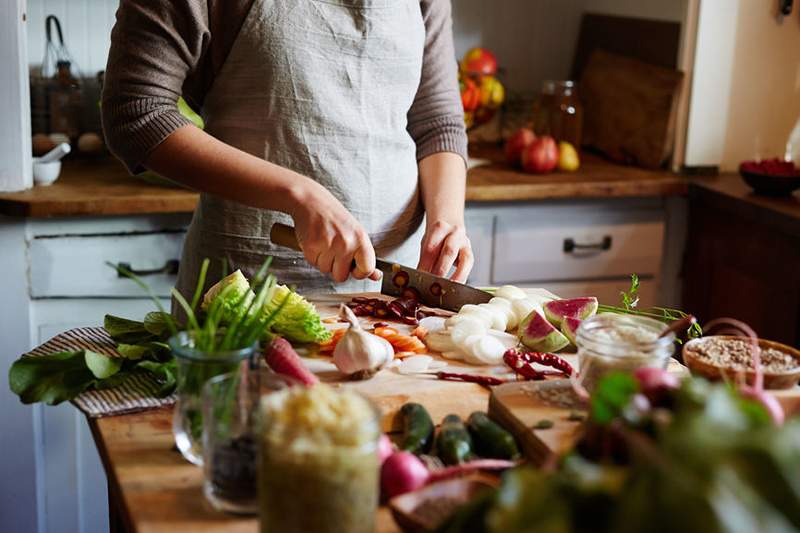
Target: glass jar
{"points": [[620, 343], [318, 461], [558, 112], [195, 367], [230, 413]]}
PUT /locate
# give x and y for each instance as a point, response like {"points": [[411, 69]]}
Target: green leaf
{"points": [[51, 379], [611, 396], [157, 323], [166, 372], [133, 352], [127, 331], [102, 366]]}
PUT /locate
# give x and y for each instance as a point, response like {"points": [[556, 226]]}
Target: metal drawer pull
{"points": [[170, 268], [570, 245]]}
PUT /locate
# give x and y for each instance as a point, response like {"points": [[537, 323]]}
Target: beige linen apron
{"points": [[323, 88]]}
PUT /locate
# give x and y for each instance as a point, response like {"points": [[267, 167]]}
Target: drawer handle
{"points": [[169, 268], [570, 245]]}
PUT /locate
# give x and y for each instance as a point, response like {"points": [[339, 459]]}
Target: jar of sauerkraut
{"points": [[318, 461]]}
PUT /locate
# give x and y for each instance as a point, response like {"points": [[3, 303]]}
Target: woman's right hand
{"points": [[331, 238]]}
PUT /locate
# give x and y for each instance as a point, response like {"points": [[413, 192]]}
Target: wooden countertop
{"points": [[89, 188], [728, 192], [153, 489], [97, 188]]}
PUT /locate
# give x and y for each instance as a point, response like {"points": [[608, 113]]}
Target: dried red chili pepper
{"points": [[548, 359], [486, 381]]}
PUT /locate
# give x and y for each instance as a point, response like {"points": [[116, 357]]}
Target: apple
{"points": [[517, 143], [540, 156], [479, 62]]}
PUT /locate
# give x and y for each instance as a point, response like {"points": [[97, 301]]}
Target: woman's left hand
{"points": [[444, 245]]}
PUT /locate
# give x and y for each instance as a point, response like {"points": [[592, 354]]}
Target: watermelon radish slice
{"points": [[539, 335], [580, 308], [569, 327]]}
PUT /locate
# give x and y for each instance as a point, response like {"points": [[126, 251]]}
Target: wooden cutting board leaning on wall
{"points": [[630, 108]]}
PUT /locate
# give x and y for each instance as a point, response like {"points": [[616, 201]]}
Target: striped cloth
{"points": [[137, 393]]}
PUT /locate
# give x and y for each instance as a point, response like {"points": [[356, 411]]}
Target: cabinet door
{"points": [[72, 483]]}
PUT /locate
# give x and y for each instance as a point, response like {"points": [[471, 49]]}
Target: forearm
{"points": [[443, 178], [196, 159]]}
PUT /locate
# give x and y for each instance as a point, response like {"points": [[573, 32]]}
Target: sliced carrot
{"points": [[406, 343], [385, 332], [329, 345], [420, 332]]}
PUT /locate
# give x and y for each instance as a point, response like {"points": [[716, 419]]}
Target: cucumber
{"points": [[453, 444], [491, 440], [417, 429]]}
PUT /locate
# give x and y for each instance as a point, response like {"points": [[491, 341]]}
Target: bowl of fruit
{"points": [[771, 177], [482, 94]]}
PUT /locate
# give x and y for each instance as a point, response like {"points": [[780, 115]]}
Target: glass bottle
{"points": [[558, 112], [65, 102], [620, 343], [195, 368]]}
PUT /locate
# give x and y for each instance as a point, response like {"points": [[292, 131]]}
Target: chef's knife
{"points": [[434, 291]]}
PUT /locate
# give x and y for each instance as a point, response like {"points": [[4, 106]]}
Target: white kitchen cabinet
{"points": [[68, 284], [574, 248]]}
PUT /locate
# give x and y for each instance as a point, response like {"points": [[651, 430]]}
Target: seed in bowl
{"points": [[735, 354]]}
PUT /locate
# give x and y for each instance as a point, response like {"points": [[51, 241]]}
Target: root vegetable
{"points": [[465, 328], [402, 472], [283, 360], [510, 292], [522, 308], [439, 341], [498, 316]]}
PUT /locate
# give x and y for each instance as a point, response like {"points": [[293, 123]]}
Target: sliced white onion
{"points": [[488, 349], [497, 300], [507, 339], [415, 364], [508, 311], [439, 341], [468, 347], [499, 320], [432, 323], [455, 355], [465, 328], [510, 292], [435, 366], [477, 311]]}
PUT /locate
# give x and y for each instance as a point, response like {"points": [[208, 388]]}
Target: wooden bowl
{"points": [[782, 380], [405, 508]]}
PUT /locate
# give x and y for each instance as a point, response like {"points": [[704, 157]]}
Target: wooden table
{"points": [[152, 488]]}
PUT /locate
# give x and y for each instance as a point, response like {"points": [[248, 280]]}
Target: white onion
{"points": [[432, 323], [510, 292], [523, 307], [499, 320], [415, 364], [465, 328], [439, 341]]}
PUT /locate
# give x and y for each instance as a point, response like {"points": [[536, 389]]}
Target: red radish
{"points": [[540, 156], [755, 392], [404, 472], [655, 379], [385, 448], [283, 360], [517, 143]]}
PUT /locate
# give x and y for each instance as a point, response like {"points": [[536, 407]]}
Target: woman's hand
{"points": [[442, 178], [443, 246], [331, 238]]}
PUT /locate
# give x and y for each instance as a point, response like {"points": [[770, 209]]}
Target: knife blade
{"points": [[434, 291]]}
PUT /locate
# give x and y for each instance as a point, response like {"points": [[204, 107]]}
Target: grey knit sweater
{"points": [[162, 50]]}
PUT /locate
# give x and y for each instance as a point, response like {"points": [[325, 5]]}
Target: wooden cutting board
{"points": [[390, 390]]}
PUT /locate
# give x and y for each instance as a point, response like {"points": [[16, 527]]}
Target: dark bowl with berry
{"points": [[771, 177]]}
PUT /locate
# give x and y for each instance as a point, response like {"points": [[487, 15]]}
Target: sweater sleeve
{"points": [[155, 47], [436, 118]]}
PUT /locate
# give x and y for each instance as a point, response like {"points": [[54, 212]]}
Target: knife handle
{"points": [[284, 235]]}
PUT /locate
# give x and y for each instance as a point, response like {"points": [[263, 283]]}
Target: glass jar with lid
{"points": [[610, 343], [558, 112]]}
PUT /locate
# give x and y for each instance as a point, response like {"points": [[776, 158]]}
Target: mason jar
{"points": [[611, 342], [195, 367]]}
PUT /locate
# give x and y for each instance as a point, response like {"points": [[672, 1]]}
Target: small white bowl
{"points": [[46, 173]]}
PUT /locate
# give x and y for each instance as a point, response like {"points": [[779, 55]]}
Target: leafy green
{"points": [[102, 366], [234, 294], [299, 321], [612, 395], [51, 379], [630, 299], [126, 331]]}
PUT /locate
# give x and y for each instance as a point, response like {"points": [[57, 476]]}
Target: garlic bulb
{"points": [[360, 354]]}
